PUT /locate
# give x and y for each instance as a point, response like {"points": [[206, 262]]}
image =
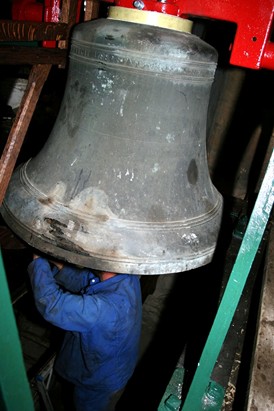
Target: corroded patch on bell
{"points": [[192, 172]]}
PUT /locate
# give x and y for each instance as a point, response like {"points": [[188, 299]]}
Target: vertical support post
{"points": [[250, 244], [15, 393], [37, 78]]}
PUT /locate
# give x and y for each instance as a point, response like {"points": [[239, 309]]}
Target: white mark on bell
{"points": [[71, 225], [190, 239], [38, 223], [155, 168], [108, 85], [124, 94], [170, 138], [117, 203], [129, 173]]}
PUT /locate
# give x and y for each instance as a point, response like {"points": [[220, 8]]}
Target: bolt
{"points": [[139, 4]]}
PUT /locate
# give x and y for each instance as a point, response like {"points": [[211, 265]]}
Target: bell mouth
{"points": [[108, 244], [150, 18]]}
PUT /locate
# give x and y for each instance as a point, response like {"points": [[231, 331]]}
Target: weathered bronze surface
{"points": [[122, 183]]}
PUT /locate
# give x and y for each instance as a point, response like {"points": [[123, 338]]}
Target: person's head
{"points": [[103, 275]]}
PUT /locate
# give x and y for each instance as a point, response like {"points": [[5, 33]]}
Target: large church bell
{"points": [[122, 183]]}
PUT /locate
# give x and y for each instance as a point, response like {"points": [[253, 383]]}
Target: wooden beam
{"points": [[11, 30], [37, 78], [32, 55]]}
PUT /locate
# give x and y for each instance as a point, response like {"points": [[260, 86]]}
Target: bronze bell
{"points": [[122, 183]]}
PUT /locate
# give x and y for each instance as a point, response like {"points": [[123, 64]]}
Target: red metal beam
{"points": [[252, 46], [254, 20]]}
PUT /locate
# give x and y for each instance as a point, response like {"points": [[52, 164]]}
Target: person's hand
{"points": [[58, 264]]}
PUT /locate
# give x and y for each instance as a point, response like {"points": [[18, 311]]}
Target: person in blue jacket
{"points": [[101, 314]]}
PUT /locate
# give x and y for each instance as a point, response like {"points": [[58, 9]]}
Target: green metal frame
{"points": [[15, 393], [205, 394]]}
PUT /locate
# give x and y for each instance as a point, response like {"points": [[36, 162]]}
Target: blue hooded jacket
{"points": [[102, 320]]}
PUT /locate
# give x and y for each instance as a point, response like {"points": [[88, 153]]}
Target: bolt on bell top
{"points": [[122, 183]]}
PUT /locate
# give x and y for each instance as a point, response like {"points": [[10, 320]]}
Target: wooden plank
{"points": [[92, 9], [260, 396], [32, 55], [68, 16], [11, 30], [37, 78]]}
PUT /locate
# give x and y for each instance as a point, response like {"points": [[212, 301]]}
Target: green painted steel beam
{"points": [[196, 397], [171, 399], [15, 393]]}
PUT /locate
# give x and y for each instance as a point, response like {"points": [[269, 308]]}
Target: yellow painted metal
{"points": [[150, 18]]}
